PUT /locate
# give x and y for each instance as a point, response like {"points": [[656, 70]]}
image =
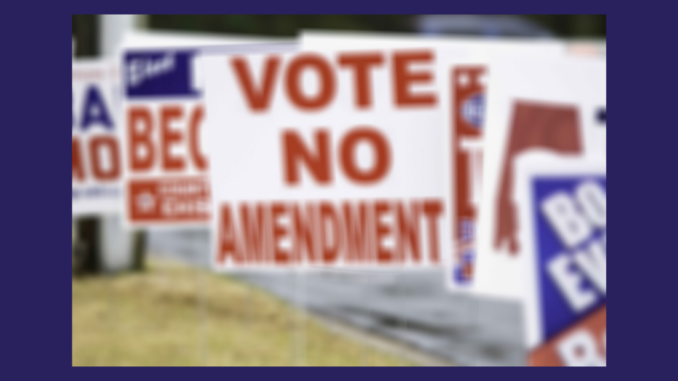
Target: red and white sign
{"points": [[327, 159], [166, 166], [464, 82], [556, 105], [466, 87], [166, 176], [96, 148]]}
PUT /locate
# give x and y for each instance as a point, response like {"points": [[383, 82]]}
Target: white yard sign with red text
{"points": [[96, 151], [166, 168], [327, 159], [556, 105], [463, 79]]}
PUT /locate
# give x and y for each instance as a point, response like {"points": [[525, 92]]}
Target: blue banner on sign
{"points": [[158, 74], [567, 291]]}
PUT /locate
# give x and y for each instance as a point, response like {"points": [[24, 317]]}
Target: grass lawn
{"points": [[155, 318]]}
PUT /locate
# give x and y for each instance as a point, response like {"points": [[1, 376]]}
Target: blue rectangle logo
{"points": [[159, 74], [570, 226]]}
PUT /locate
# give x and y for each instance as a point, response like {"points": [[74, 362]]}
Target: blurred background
{"points": [[168, 309], [86, 28]]}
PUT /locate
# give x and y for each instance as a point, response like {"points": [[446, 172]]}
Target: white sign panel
{"points": [[464, 83], [465, 87], [556, 105], [96, 145], [331, 159]]}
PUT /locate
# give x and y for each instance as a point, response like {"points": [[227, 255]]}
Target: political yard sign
{"points": [[563, 213], [547, 104], [96, 145], [166, 169], [166, 162], [330, 159]]}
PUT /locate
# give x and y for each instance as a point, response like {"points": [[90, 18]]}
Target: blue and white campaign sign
{"points": [[96, 149], [563, 219]]}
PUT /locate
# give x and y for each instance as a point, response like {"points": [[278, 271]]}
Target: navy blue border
{"points": [[35, 227], [36, 306]]}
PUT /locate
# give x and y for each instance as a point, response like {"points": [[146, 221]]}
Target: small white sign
{"points": [[96, 145]]}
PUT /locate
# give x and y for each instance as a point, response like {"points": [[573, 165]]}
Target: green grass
{"points": [[155, 319]]}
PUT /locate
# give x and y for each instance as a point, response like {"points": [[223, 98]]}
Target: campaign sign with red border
{"points": [[166, 168]]}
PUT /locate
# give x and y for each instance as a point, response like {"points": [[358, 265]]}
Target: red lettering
{"points": [[193, 127], [384, 255], [404, 79], [382, 155], [329, 218], [361, 64], [433, 209], [228, 244], [281, 256], [305, 233], [408, 232], [258, 99], [359, 232], [170, 136], [295, 151], [140, 139], [78, 172], [326, 81], [97, 146], [254, 232]]}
